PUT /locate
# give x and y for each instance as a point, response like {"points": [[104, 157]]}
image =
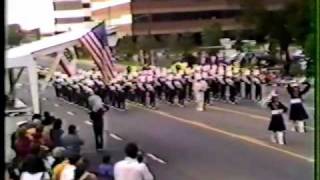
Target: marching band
{"points": [[180, 84]]}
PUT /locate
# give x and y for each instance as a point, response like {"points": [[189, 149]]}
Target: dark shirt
{"points": [[300, 93], [72, 143], [56, 135], [106, 170], [23, 147]]}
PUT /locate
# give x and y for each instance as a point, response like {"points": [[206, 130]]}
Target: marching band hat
{"points": [[246, 72], [206, 67], [229, 73], [256, 72], [294, 84], [149, 78], [197, 68], [274, 94]]}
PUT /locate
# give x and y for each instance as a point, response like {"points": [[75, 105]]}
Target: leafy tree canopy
{"points": [[211, 35]]}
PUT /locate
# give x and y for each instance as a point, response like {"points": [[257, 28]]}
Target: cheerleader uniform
{"points": [[277, 121], [298, 113], [277, 125]]}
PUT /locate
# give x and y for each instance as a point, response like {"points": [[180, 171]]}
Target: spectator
{"points": [[56, 133], [130, 168], [72, 142], [47, 158], [35, 150], [34, 169], [47, 123], [47, 118], [105, 169], [22, 144], [38, 136], [36, 117], [59, 155], [67, 170], [81, 172]]}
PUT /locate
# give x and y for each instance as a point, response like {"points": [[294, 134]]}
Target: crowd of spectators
{"points": [[44, 151]]}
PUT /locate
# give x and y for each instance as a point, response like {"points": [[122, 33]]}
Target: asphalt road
{"points": [[225, 142]]}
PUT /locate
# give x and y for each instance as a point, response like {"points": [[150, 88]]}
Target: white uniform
{"points": [[199, 87]]}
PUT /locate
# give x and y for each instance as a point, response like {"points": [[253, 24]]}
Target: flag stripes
{"points": [[106, 60], [95, 41], [95, 56], [66, 67]]}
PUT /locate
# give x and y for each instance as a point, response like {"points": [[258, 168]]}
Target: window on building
{"points": [[86, 5]]}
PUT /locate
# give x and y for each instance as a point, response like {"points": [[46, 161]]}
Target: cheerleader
{"points": [[298, 114], [277, 125]]}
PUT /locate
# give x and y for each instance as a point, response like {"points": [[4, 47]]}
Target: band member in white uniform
{"points": [[257, 83], [151, 93], [179, 89], [298, 113], [277, 125], [246, 79], [199, 87], [170, 89]]}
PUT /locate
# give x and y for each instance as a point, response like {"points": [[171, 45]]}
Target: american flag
{"points": [[97, 44]]}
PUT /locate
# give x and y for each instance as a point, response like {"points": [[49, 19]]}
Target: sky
{"points": [[31, 14]]}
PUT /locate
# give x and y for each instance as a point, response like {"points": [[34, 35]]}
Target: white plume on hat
{"points": [[149, 78], [197, 76], [256, 72], [221, 70], [229, 73]]}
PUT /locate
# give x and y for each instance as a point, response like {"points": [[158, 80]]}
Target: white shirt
{"points": [[95, 102], [131, 169], [36, 176], [68, 173]]}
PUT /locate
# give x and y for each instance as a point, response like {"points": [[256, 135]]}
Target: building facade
{"points": [[71, 14], [153, 17]]}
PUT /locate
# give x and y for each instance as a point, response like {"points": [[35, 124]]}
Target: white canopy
{"points": [[24, 56]]}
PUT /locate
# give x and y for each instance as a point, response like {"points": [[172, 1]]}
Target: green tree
{"points": [[148, 44], [172, 43], [127, 46], [15, 35], [288, 25], [211, 34], [186, 42]]}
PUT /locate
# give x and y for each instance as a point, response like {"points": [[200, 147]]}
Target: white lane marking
{"points": [[156, 158], [21, 122], [56, 105], [116, 137], [118, 109], [230, 134], [88, 122], [13, 114], [44, 99], [70, 113], [253, 116]]}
